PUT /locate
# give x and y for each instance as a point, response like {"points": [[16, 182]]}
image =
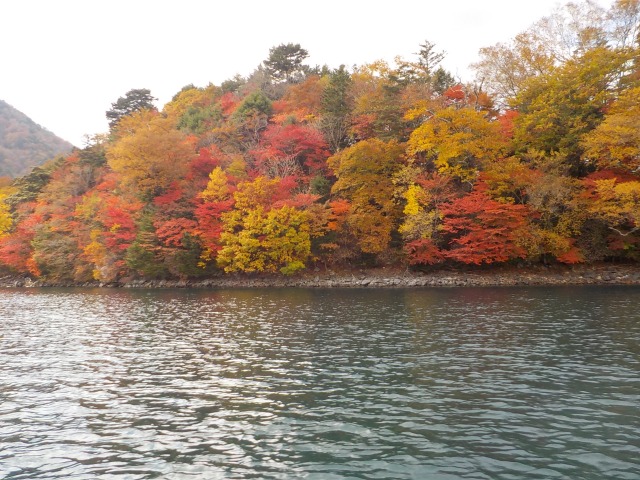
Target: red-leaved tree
{"points": [[482, 230]]}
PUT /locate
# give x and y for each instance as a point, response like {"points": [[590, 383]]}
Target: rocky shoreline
{"points": [[380, 278]]}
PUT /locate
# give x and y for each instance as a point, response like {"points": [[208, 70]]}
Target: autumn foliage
{"points": [[397, 164]]}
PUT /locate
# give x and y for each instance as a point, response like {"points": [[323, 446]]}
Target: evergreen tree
{"points": [[134, 100]]}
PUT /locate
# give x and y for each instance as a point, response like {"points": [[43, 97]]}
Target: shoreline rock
{"points": [[378, 278]]}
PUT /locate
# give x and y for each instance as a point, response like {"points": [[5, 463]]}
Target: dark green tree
{"points": [[428, 58], [134, 100], [199, 119], [424, 70], [254, 103], [336, 109], [144, 256], [441, 80], [233, 84], [285, 62], [28, 188]]}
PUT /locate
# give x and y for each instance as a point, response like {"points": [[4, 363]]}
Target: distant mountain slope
{"points": [[25, 144]]}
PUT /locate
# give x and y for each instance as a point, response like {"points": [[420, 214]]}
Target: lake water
{"points": [[473, 383]]}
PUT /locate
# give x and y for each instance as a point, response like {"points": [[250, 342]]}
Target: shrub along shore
{"points": [[378, 278]]}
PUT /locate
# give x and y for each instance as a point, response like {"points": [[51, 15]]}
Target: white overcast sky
{"points": [[64, 62]]}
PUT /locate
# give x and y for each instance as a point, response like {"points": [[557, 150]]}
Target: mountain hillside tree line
{"points": [[294, 166]]}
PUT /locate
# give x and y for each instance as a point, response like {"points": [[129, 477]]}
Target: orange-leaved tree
{"points": [[149, 153], [481, 230], [365, 178]]}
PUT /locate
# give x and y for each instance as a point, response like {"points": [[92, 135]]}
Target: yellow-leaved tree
{"points": [[267, 241], [615, 143], [260, 234], [217, 189], [5, 216], [458, 141], [617, 203]]}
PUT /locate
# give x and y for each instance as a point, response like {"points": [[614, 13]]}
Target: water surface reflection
{"points": [[430, 383]]}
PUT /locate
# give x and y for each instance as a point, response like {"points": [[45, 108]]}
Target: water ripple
{"points": [[276, 384]]}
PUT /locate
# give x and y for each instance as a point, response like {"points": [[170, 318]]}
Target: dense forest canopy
{"points": [[295, 166], [25, 144]]}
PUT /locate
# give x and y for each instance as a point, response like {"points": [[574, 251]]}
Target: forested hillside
{"points": [[25, 144], [293, 166]]}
